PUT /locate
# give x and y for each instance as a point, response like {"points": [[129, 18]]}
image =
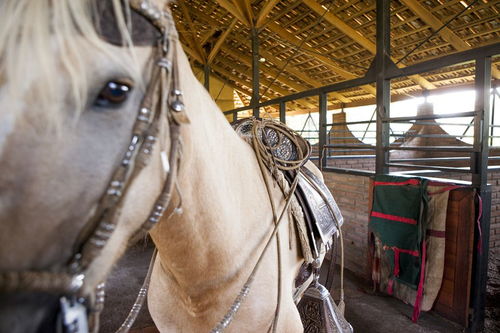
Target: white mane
{"points": [[31, 31]]}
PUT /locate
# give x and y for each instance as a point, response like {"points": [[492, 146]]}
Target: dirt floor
{"points": [[366, 312], [492, 316]]}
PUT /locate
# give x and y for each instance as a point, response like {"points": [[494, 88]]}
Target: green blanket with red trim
{"points": [[397, 216]]}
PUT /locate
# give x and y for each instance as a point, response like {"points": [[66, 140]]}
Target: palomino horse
{"points": [[76, 185]]}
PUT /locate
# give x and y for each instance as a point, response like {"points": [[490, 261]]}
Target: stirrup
{"points": [[319, 313]]}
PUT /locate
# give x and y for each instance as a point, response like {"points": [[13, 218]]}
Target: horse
{"points": [[76, 186]]}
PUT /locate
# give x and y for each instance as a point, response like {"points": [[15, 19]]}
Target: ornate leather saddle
{"points": [[321, 214], [321, 220]]}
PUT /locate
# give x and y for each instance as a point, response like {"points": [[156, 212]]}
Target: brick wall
{"points": [[365, 163], [494, 180], [351, 194]]}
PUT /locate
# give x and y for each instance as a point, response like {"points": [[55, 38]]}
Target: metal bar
{"points": [[312, 92], [354, 145], [430, 159], [350, 148], [434, 148], [254, 101], [467, 129], [349, 171], [410, 135], [283, 112], [352, 123], [434, 123], [368, 126], [492, 124], [432, 116], [323, 108], [428, 167], [206, 73], [383, 95], [481, 121], [349, 131], [446, 61], [479, 166], [348, 157], [350, 137]]}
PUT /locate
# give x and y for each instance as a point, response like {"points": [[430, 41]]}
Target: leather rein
{"points": [[80, 311]]}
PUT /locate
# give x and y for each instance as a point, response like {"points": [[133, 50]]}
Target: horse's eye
{"points": [[113, 94]]}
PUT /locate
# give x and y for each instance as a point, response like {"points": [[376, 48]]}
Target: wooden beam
{"points": [[446, 33], [290, 69], [269, 5], [436, 24], [358, 37], [264, 82], [289, 37], [341, 25], [220, 41], [231, 8], [245, 7], [207, 35], [239, 90], [192, 31], [333, 66], [266, 54], [270, 72], [192, 53], [283, 79]]}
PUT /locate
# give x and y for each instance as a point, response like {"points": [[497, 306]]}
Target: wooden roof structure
{"points": [[311, 43]]}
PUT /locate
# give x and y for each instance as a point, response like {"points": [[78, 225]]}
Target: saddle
{"points": [[318, 220], [322, 216]]}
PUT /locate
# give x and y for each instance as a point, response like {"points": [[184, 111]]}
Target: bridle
{"points": [[79, 311]]}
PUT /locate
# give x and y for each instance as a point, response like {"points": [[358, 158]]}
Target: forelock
{"points": [[30, 34]]}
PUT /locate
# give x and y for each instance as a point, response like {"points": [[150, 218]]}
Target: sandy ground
{"points": [[365, 311], [492, 316]]}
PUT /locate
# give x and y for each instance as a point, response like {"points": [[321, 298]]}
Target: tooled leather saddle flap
{"points": [[322, 214]]}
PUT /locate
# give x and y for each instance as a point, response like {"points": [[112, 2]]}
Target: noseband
{"points": [[162, 99]]}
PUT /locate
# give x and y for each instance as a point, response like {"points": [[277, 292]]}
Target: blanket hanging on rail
{"points": [[398, 222]]}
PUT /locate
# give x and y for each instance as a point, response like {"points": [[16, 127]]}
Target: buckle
{"points": [[74, 316]]}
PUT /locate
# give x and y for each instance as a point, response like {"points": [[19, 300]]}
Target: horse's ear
{"points": [[142, 32]]}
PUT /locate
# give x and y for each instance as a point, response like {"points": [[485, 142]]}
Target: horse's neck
{"points": [[226, 211]]}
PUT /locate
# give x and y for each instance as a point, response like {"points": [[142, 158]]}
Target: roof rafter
{"points": [[246, 9], [265, 82], [271, 72], [446, 33], [264, 12], [281, 64], [220, 41], [334, 67], [358, 37], [192, 31], [234, 10]]}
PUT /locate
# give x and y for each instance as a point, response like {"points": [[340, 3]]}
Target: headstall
{"points": [[163, 98]]}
